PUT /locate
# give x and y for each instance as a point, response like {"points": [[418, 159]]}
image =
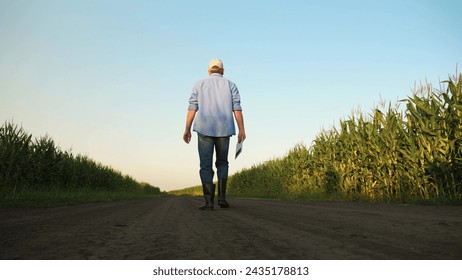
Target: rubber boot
{"points": [[209, 194], [222, 193]]}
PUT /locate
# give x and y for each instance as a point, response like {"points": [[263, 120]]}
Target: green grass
{"points": [[192, 191]]}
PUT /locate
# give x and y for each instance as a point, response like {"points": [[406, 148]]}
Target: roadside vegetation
{"points": [[411, 151], [391, 154], [193, 191], [36, 172]]}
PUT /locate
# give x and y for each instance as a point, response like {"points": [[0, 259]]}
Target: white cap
{"points": [[216, 62]]}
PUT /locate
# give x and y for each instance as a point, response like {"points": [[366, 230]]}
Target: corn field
{"points": [[390, 154], [32, 164]]}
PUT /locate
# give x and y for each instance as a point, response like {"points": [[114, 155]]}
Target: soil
{"points": [[173, 228]]}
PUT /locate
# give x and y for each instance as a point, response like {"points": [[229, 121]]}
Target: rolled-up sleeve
{"points": [[235, 96], [193, 103]]}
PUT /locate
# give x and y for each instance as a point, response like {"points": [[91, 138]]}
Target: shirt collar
{"points": [[216, 74]]}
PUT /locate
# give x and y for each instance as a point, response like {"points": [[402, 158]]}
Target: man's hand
{"points": [[187, 136], [240, 125], [241, 136], [189, 120]]}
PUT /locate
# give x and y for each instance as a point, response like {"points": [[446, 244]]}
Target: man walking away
{"points": [[213, 102]]}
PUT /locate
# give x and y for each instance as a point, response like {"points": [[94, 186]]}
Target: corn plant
{"points": [[41, 165], [14, 155], [389, 154]]}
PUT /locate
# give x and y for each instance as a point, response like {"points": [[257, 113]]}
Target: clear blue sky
{"points": [[111, 79]]}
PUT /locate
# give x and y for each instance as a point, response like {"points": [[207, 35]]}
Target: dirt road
{"points": [[173, 228]]}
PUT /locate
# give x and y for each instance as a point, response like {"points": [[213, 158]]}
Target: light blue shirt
{"points": [[215, 99]]}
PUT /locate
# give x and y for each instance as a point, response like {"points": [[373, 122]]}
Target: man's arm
{"points": [[189, 120], [240, 124]]}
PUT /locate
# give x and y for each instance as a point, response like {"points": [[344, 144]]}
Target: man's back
{"points": [[215, 98]]}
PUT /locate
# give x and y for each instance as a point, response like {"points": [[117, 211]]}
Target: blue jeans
{"points": [[207, 145]]}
